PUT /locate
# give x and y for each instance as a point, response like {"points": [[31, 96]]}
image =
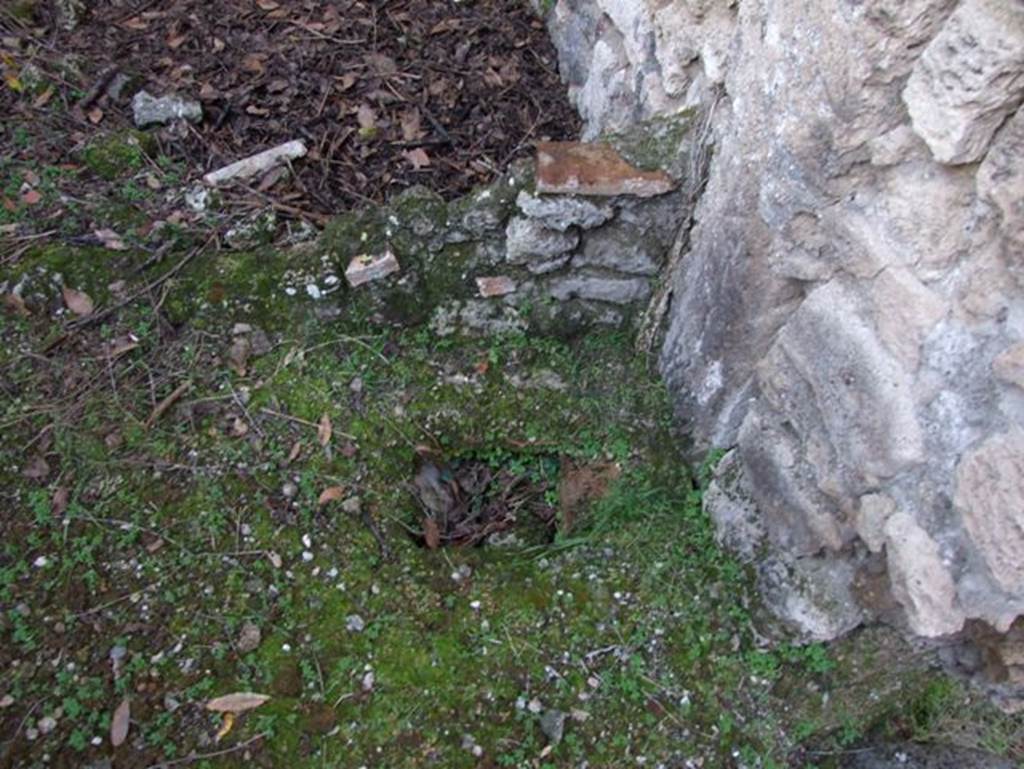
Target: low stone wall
{"points": [[574, 240]]}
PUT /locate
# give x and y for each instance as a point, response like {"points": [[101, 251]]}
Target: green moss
{"points": [[655, 144], [117, 155]]}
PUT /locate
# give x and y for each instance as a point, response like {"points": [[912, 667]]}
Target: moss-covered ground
{"points": [[163, 542], [162, 539]]}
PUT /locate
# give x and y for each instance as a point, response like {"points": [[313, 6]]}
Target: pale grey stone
{"points": [[1008, 366], [150, 110], [873, 512], [739, 526], [810, 594], [970, 77], [990, 497], [552, 723], [1001, 178], [560, 212], [528, 242], [622, 248], [921, 582], [599, 288]]}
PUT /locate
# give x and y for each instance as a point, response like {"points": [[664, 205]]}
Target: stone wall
{"points": [[849, 316], [576, 239]]}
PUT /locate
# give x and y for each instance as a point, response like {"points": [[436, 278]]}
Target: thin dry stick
{"points": [[203, 756], [166, 403], [301, 421]]}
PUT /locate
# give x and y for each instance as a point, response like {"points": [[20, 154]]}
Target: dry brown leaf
{"points": [[346, 81], [15, 305], [120, 723], [331, 494], [253, 63], [136, 22], [268, 5], [37, 468], [418, 157], [411, 125], [44, 98], [366, 118], [431, 533], [582, 484], [110, 240], [236, 702], [239, 353], [31, 197], [95, 115], [275, 559], [324, 430], [59, 501], [79, 302], [294, 453]]}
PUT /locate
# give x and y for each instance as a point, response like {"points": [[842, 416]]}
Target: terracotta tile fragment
{"points": [[498, 285], [594, 169], [365, 268]]}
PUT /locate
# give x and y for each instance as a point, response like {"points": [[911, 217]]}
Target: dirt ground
{"points": [[385, 94]]}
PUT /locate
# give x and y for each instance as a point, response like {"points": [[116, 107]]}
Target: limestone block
{"points": [[873, 513], [1001, 177], [969, 78], [1009, 365], [921, 582], [990, 497], [622, 248], [729, 503], [686, 31], [560, 212], [811, 594], [857, 395], [905, 311], [600, 288], [529, 242]]}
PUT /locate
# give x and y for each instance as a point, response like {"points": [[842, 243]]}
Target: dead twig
{"points": [[162, 407], [301, 421], [192, 758]]}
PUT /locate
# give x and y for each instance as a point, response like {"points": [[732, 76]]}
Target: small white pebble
{"points": [[286, 647], [41, 562], [307, 556]]}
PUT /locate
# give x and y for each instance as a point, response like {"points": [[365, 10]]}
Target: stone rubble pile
{"points": [[576, 239]]}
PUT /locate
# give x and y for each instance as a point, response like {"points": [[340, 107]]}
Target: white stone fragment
{"points": [[257, 164]]}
